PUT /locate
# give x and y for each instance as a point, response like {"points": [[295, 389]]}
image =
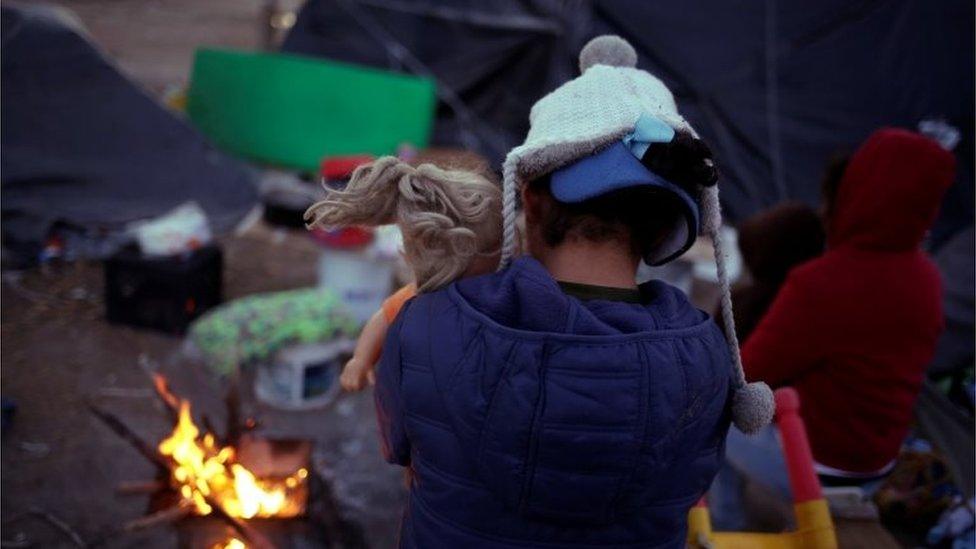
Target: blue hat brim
{"points": [[616, 168]]}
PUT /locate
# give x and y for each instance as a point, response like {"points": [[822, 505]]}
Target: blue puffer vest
{"points": [[532, 419]]}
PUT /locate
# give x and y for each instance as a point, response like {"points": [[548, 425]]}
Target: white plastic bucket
{"points": [[361, 279]]}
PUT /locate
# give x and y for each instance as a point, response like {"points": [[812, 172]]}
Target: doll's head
{"points": [[450, 219]]}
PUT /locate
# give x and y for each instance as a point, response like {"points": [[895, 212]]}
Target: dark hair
{"points": [[640, 216], [775, 240]]}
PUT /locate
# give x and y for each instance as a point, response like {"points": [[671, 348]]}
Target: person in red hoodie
{"points": [[854, 329]]}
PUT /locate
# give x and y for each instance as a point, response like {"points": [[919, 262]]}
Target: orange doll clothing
{"points": [[393, 304]]}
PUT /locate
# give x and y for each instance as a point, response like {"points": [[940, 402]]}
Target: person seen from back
{"points": [[556, 403]]}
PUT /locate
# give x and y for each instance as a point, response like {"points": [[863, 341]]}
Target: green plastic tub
{"points": [[292, 111]]}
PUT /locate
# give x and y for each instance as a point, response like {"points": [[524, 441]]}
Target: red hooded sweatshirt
{"points": [[854, 329]]}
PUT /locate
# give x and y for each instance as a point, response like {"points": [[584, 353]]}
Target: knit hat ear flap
{"points": [[752, 404], [510, 186]]}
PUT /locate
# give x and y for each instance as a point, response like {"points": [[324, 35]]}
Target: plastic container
{"points": [[291, 110], [360, 277], [304, 376], [339, 168]]}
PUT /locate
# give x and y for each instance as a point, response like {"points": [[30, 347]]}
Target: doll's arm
{"points": [[359, 370]]}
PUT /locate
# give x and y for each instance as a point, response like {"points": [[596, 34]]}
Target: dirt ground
{"points": [[59, 354]]}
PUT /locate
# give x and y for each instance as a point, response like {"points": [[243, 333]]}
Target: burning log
{"points": [[169, 399], [250, 534], [235, 426]]}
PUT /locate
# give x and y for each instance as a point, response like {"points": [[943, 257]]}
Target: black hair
{"points": [[641, 217]]}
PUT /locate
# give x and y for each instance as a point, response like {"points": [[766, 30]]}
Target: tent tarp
{"points": [[776, 87], [950, 429], [83, 145]]}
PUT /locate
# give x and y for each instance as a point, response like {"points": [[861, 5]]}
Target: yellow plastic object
{"points": [[814, 527], [815, 530]]}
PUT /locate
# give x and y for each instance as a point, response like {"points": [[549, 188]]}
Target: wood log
{"points": [[128, 435], [132, 487], [232, 434], [159, 518], [209, 427]]}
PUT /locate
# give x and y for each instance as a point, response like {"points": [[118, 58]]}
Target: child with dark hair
{"points": [[555, 402], [772, 243]]}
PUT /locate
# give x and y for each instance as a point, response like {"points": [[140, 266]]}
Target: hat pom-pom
{"points": [[753, 407], [608, 49]]}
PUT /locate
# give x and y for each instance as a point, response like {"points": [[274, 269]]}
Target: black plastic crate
{"points": [[285, 215], [162, 293]]}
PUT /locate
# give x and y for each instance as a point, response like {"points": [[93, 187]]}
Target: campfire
{"points": [[237, 478], [205, 472]]}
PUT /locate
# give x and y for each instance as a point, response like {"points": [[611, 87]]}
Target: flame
{"points": [[232, 543], [207, 473]]}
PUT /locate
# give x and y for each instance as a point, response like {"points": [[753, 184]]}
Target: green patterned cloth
{"points": [[253, 328]]}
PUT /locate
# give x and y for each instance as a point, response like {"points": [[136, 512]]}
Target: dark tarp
{"points": [[951, 431], [955, 353], [776, 87], [84, 146]]}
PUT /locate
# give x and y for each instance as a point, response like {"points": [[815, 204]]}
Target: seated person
{"points": [[854, 330]]}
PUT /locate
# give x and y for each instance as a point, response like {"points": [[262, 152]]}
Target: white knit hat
{"points": [[584, 116]]}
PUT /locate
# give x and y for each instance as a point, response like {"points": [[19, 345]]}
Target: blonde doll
{"points": [[451, 226]]}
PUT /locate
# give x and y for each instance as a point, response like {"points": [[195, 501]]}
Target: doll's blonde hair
{"points": [[448, 217]]}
